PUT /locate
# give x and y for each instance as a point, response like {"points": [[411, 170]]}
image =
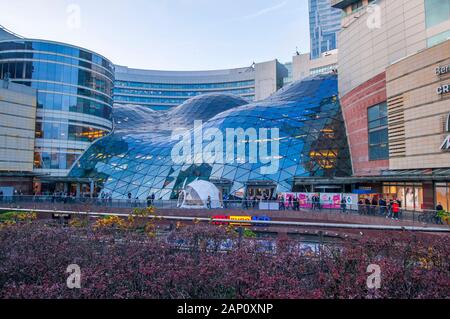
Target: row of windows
{"points": [[65, 131], [57, 59], [156, 107], [323, 69], [56, 48], [439, 38], [47, 160], [131, 99], [378, 132], [356, 7], [185, 86], [47, 118], [71, 90], [436, 12], [61, 102], [44, 71], [179, 93]]}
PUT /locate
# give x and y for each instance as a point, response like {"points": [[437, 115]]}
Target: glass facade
{"points": [[443, 195], [74, 99], [324, 25], [436, 12], [290, 77], [323, 69], [312, 143], [439, 38], [409, 194], [378, 132], [162, 96]]}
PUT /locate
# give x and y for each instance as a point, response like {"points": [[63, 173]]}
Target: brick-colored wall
{"points": [[354, 107]]}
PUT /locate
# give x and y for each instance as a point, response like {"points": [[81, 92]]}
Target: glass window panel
{"points": [[436, 12]]}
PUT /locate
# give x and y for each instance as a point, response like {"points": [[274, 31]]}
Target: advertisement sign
{"points": [[305, 200], [289, 199], [330, 201], [351, 200], [446, 144]]}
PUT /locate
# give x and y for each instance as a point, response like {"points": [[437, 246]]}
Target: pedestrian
{"points": [[395, 210], [225, 200], [367, 206], [389, 209], [313, 202], [149, 201], [296, 204], [319, 203], [281, 202], [208, 202], [343, 205], [374, 205], [439, 210], [382, 204], [360, 207]]}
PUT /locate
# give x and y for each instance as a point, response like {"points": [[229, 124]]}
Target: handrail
{"points": [[422, 216], [253, 222]]}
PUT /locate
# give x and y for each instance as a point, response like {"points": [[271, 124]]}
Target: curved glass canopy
{"points": [[310, 141]]}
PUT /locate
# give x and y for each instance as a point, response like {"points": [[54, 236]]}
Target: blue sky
{"points": [[168, 34]]}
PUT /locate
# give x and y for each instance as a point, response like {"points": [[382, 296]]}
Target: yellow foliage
{"points": [[78, 223], [7, 223], [111, 222]]}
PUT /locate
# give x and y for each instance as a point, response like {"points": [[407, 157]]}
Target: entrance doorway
{"points": [[261, 191]]}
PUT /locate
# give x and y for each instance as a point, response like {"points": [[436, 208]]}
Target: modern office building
{"points": [[387, 49], [163, 90], [17, 136], [290, 75], [74, 98], [324, 24], [6, 34], [137, 159]]}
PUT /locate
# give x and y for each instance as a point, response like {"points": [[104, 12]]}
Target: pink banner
{"points": [[305, 200], [332, 201], [289, 199]]}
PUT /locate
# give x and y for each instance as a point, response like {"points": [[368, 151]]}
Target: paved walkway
{"points": [[304, 215]]}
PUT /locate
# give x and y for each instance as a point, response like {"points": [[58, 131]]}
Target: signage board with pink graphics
{"points": [[306, 199], [289, 199], [331, 201]]}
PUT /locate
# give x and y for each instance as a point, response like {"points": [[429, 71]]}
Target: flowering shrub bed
{"points": [[191, 262]]}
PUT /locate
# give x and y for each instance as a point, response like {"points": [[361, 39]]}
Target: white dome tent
{"points": [[196, 195]]}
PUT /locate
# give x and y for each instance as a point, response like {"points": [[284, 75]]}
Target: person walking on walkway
{"points": [[439, 211], [208, 202], [281, 202], [367, 206], [296, 204], [395, 210], [374, 206], [343, 205], [382, 204]]}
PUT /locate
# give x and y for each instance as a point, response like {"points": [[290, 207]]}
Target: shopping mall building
{"points": [[393, 84]]}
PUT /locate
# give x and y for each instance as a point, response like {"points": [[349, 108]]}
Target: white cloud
{"points": [[265, 11]]}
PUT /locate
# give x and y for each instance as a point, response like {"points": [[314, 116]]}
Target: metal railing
{"points": [[255, 222], [89, 204]]}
